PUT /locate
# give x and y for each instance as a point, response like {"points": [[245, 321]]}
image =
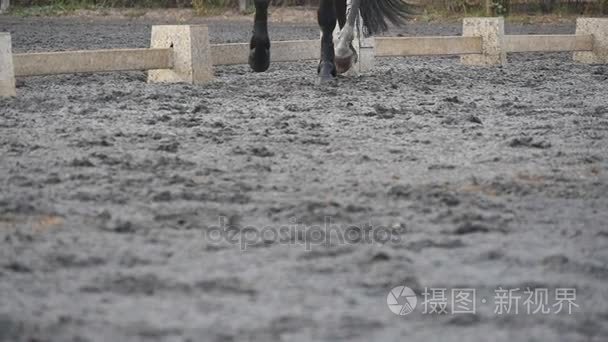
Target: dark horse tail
{"points": [[377, 14]]}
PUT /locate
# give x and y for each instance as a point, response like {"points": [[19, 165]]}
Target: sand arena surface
{"points": [[483, 177]]}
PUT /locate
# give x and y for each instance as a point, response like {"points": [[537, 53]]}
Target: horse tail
{"points": [[377, 14]]}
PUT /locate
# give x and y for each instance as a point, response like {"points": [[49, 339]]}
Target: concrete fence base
{"points": [[4, 5], [366, 48], [7, 76], [492, 32], [598, 29], [191, 58], [243, 4]]}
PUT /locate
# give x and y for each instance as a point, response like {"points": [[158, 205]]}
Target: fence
{"points": [[183, 53]]}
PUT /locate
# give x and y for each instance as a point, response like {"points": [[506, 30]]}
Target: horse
{"points": [[375, 15]]}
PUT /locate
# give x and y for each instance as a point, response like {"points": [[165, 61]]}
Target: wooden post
{"points": [[7, 71], [242, 5], [4, 4], [488, 8], [598, 29], [491, 31], [191, 54]]}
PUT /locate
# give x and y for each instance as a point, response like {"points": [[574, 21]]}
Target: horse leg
{"points": [[345, 53], [259, 55], [326, 17], [341, 12]]}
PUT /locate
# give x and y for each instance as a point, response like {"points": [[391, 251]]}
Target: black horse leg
{"points": [[259, 55], [327, 22], [341, 12]]}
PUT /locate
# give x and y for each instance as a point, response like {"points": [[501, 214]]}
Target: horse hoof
{"points": [[343, 64], [326, 71], [325, 79], [259, 59]]}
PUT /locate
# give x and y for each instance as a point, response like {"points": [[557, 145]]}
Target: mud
{"points": [[484, 178]]}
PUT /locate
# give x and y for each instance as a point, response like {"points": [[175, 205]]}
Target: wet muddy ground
{"points": [[113, 192]]}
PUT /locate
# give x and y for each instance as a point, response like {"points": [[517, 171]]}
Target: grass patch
{"points": [[44, 11], [135, 13], [209, 7]]}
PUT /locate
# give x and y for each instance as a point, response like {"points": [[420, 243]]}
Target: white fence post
{"points": [[7, 72], [598, 28], [191, 58], [367, 48], [492, 33], [4, 5], [242, 5]]}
